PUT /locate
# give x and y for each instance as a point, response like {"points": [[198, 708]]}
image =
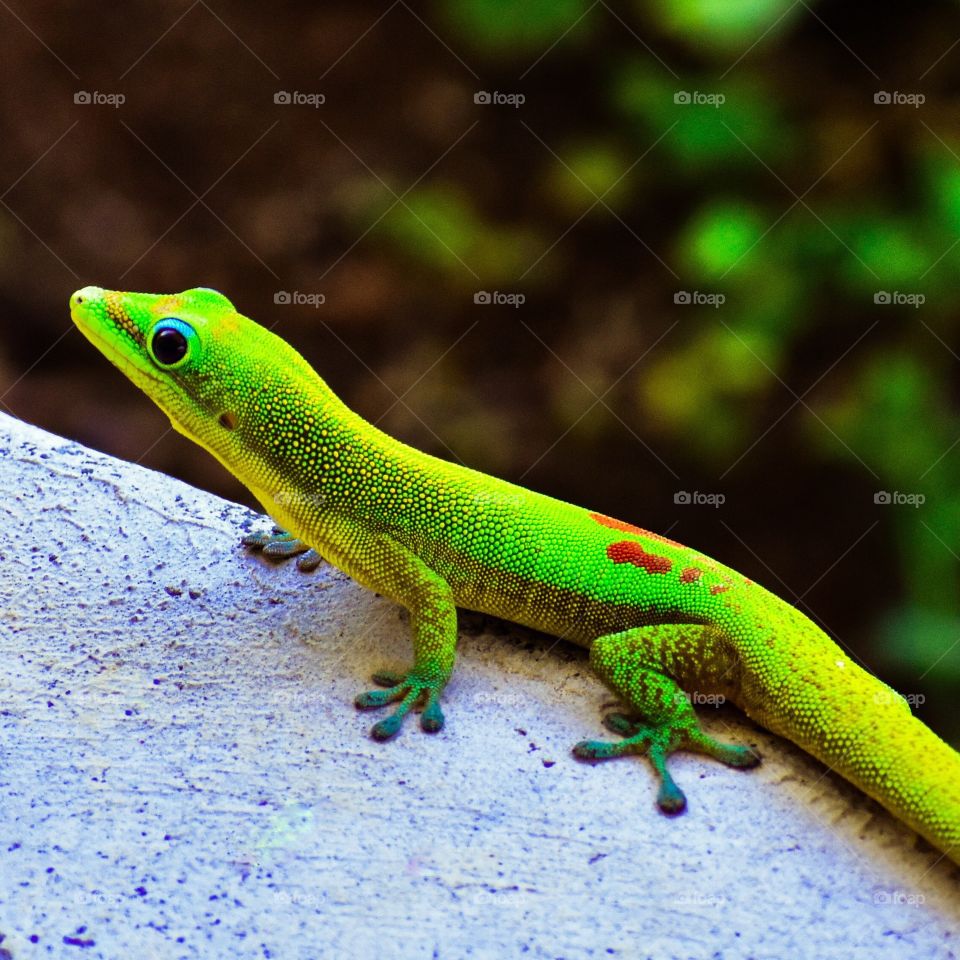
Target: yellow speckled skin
{"points": [[661, 620]]}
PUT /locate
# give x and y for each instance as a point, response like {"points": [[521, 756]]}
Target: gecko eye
{"points": [[170, 342], [169, 346]]}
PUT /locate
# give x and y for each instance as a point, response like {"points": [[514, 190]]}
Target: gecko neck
{"points": [[301, 448]]}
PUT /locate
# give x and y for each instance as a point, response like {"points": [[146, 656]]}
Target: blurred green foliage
{"points": [[503, 27], [440, 228], [724, 24]]}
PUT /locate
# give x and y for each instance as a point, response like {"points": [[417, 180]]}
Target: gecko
{"points": [[661, 621]]}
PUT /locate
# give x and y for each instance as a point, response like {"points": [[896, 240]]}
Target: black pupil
{"points": [[169, 346]]}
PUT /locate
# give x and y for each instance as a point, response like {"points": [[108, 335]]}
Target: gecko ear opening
{"points": [[228, 420]]}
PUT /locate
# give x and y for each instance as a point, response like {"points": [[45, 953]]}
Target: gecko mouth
{"points": [[128, 367], [89, 323]]}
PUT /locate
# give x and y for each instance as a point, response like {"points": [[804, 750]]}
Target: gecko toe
{"points": [[388, 678], [387, 729], [431, 720], [621, 723], [281, 545], [309, 561], [670, 798]]}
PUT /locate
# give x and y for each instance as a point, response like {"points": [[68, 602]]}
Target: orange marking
{"points": [[630, 528], [626, 551]]}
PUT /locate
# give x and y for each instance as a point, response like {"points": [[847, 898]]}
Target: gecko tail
{"points": [[865, 731]]}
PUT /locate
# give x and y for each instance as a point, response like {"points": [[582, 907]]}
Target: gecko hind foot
{"points": [[657, 742], [281, 545], [410, 689]]}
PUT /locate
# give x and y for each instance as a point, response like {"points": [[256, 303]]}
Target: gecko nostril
{"points": [[85, 295]]}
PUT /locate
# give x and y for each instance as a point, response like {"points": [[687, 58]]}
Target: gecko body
{"points": [[661, 620]]}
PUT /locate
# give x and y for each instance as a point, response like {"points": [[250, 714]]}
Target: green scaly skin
{"points": [[658, 618]]}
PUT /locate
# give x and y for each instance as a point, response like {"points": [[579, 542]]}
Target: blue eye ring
{"points": [[170, 343]]}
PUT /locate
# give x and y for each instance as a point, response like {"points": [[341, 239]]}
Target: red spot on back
{"points": [[630, 528], [626, 551], [691, 574], [720, 588]]}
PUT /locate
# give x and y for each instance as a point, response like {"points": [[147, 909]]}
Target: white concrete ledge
{"points": [[184, 775]]}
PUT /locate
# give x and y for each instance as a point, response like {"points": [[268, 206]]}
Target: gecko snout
{"points": [[84, 295]]}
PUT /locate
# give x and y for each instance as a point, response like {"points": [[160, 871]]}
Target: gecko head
{"points": [[150, 336], [198, 359]]}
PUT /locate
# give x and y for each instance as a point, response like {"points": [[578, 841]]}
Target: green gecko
{"points": [[658, 618]]}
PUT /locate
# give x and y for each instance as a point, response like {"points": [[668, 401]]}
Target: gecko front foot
{"points": [[657, 742], [409, 688], [280, 545]]}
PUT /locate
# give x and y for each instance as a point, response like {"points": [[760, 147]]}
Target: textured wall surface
{"points": [[183, 774]]}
